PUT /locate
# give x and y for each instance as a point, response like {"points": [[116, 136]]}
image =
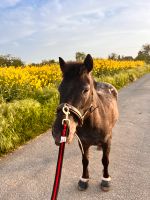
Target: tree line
{"points": [[8, 60], [143, 54]]}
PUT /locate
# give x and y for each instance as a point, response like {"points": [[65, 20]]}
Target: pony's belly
{"points": [[91, 139]]}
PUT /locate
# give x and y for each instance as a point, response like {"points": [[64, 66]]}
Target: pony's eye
{"points": [[85, 90]]}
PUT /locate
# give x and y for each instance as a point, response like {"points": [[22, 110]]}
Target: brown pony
{"points": [[93, 114]]}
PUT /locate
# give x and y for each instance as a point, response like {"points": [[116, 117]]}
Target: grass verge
{"points": [[23, 120]]}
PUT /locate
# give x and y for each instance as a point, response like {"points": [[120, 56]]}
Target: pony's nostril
{"points": [[56, 137], [57, 143]]}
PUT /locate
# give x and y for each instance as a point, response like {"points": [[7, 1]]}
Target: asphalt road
{"points": [[28, 173]]}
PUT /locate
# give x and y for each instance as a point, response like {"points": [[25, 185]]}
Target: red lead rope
{"points": [[59, 165]]}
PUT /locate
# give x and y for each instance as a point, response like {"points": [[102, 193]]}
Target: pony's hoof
{"points": [[106, 184], [82, 185]]}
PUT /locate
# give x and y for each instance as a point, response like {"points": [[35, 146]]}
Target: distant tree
{"points": [[16, 62], [48, 62], [144, 53], [127, 58], [114, 56], [44, 62], [8, 60], [80, 56], [119, 57], [32, 64]]}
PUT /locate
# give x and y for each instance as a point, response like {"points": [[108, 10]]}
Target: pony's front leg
{"points": [[106, 179], [83, 182]]}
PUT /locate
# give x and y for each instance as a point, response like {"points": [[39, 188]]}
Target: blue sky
{"points": [[46, 29]]}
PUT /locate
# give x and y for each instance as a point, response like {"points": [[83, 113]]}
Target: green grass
{"points": [[125, 77], [24, 119]]}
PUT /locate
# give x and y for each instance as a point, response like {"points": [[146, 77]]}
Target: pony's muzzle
{"points": [[57, 143], [56, 137], [58, 128]]}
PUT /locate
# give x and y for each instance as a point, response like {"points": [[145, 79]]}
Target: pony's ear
{"points": [[88, 62], [62, 64]]}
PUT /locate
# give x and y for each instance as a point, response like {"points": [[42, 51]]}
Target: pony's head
{"points": [[76, 90]]}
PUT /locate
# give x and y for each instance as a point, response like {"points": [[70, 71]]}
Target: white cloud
{"points": [[9, 3], [63, 27], [16, 24]]}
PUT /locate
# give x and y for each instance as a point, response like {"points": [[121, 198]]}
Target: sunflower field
{"points": [[29, 97]]}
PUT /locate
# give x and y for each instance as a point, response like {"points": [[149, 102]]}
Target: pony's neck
{"points": [[95, 95], [95, 98], [94, 117]]}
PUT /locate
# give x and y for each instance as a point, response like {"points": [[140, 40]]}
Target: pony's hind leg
{"points": [[83, 182], [106, 179]]}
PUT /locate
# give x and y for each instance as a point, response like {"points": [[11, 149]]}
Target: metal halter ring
{"points": [[65, 110]]}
